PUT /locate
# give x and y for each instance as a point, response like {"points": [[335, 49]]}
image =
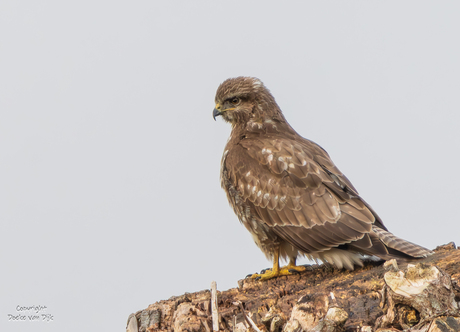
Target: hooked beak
{"points": [[216, 112]]}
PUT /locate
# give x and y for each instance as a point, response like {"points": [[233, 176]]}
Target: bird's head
{"points": [[242, 99]]}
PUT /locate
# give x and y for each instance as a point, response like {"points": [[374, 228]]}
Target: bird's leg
{"points": [[276, 271]]}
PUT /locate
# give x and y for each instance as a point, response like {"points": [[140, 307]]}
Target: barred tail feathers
{"points": [[399, 245]]}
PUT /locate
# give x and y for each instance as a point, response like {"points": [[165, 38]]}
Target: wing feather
{"points": [[361, 214], [294, 188]]}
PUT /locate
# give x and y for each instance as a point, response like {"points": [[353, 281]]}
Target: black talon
{"points": [[258, 278], [308, 267], [294, 271]]}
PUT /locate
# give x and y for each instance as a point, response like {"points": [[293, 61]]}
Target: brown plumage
{"points": [[288, 193]]}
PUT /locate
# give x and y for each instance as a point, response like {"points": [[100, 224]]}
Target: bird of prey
{"points": [[288, 193]]}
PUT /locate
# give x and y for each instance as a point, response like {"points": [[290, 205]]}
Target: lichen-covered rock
{"points": [[373, 298], [333, 321], [307, 312], [315, 316], [417, 286], [418, 294], [337, 315]]}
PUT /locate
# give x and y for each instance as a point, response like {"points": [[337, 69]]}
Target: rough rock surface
{"points": [[421, 295]]}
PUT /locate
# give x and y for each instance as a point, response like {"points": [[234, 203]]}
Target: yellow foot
{"points": [[291, 269], [266, 275], [284, 271]]}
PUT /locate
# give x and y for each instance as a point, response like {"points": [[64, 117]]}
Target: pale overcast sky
{"points": [[110, 197]]}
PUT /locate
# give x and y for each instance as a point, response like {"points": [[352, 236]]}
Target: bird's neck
{"points": [[260, 127]]}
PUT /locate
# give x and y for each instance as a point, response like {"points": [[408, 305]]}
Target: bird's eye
{"points": [[235, 101]]}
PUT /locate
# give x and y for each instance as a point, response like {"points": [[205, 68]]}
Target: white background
{"points": [[109, 157]]}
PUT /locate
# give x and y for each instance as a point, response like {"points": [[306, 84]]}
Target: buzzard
{"points": [[288, 193]]}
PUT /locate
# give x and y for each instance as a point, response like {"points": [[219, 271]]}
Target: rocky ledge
{"points": [[419, 296]]}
